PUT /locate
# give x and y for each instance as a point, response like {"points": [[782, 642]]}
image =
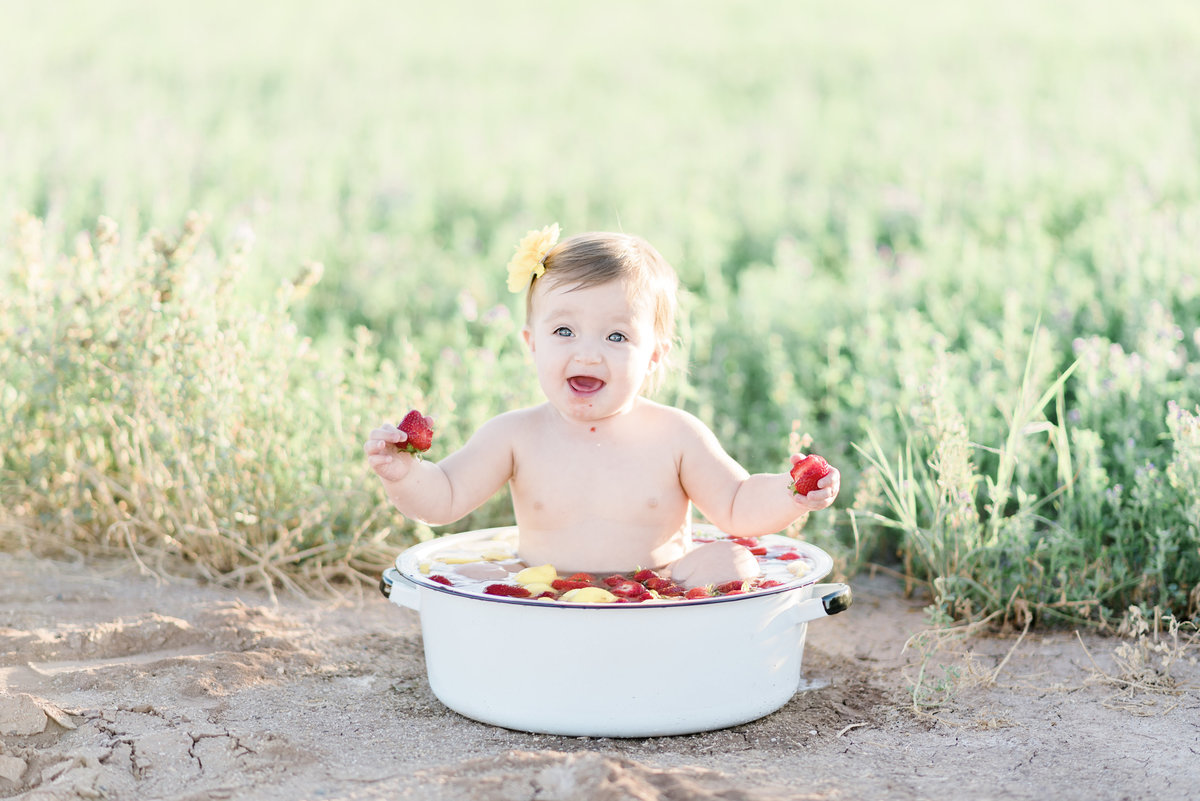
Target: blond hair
{"points": [[592, 259]]}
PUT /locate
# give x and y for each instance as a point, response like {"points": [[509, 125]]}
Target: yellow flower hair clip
{"points": [[530, 258]]}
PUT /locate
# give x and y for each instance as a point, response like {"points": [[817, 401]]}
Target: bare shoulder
{"points": [[674, 420], [695, 443], [495, 441], [513, 425], [511, 420]]}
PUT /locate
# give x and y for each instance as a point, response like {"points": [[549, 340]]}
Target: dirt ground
{"points": [[118, 685]]}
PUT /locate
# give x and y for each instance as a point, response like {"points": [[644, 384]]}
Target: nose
{"points": [[587, 354]]}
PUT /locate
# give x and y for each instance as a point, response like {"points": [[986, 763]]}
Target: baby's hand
{"points": [[826, 492], [714, 563], [385, 458]]}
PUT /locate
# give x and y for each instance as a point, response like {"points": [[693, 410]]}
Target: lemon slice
{"points": [[542, 574], [588, 595], [459, 560]]}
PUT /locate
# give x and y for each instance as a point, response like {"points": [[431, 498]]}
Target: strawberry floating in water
{"points": [[419, 430], [749, 543], [628, 589], [508, 590], [807, 472], [565, 585]]}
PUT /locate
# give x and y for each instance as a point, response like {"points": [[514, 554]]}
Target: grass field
{"points": [[955, 247]]}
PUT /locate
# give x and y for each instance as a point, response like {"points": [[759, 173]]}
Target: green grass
{"points": [[956, 246]]}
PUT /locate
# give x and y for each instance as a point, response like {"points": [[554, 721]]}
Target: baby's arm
{"points": [[736, 502], [445, 491]]}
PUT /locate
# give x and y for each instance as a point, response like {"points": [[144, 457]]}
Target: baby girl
{"points": [[602, 478]]}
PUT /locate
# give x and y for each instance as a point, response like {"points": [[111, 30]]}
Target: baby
{"points": [[602, 478]]}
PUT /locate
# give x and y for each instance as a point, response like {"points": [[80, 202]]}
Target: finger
{"points": [[377, 446], [388, 433], [391, 442]]}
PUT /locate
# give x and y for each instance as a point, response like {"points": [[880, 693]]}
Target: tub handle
{"points": [[828, 599], [399, 590]]}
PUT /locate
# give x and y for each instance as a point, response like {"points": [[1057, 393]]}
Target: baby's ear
{"points": [[527, 335], [659, 356]]}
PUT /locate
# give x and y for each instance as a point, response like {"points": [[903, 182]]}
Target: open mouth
{"points": [[585, 384]]}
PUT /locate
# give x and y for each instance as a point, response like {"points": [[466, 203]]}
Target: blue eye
{"points": [[616, 336], [562, 331]]}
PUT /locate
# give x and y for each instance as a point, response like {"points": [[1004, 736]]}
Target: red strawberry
{"points": [[697, 592], [807, 472], [770, 583], [615, 579], [419, 430], [627, 589], [787, 557], [644, 575], [671, 591], [746, 541], [441, 580], [562, 585], [730, 587], [588, 577], [506, 589], [759, 550], [657, 583]]}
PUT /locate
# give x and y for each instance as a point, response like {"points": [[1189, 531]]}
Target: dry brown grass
{"points": [[152, 412]]}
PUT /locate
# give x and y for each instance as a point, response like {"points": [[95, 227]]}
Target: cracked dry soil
{"points": [[116, 685]]}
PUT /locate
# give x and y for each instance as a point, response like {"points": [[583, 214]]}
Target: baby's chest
{"points": [[599, 480]]}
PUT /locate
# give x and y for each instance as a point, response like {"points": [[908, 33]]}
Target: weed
{"points": [[1143, 662]]}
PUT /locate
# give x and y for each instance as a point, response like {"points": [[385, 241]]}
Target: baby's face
{"points": [[592, 347]]}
